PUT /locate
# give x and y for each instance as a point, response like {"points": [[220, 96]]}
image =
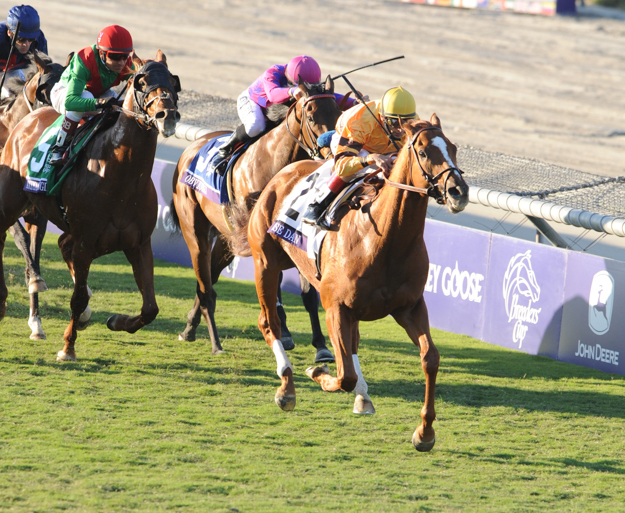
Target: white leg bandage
{"points": [[361, 386], [282, 360]]}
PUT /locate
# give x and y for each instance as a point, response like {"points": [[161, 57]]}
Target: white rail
{"points": [[501, 200], [547, 211]]}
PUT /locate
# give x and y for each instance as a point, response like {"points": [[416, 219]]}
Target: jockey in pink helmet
{"points": [[279, 84]]}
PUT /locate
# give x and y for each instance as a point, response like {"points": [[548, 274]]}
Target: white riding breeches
{"points": [[251, 115], [59, 93], [11, 73]]}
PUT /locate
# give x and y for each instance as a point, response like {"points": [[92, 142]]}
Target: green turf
{"points": [[144, 422]]}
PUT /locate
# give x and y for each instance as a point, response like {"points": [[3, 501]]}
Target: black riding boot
{"points": [[63, 140], [316, 209], [220, 163]]}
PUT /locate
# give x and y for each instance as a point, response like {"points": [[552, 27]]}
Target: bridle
{"points": [[433, 190], [140, 104], [304, 127]]}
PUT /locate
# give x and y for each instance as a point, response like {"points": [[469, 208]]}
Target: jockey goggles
{"points": [[117, 56]]}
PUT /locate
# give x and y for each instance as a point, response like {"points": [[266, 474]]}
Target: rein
{"points": [[304, 127], [433, 188]]}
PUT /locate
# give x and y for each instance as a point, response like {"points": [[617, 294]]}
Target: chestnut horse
{"points": [[27, 96], [373, 265], [108, 201], [202, 221]]}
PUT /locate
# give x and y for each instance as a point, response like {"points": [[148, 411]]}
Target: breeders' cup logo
{"points": [[600, 302], [520, 292]]}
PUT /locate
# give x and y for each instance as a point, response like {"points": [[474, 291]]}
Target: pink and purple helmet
{"points": [[305, 67]]}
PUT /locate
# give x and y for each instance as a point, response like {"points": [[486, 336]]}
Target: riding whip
{"points": [[6, 67], [362, 100], [368, 66]]}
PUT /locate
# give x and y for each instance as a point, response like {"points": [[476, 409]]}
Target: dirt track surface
{"points": [[530, 86]]}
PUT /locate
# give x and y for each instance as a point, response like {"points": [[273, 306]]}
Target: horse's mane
{"points": [[276, 112]]}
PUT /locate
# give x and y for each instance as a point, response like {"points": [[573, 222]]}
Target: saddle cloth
{"points": [[200, 175], [289, 226], [40, 177]]}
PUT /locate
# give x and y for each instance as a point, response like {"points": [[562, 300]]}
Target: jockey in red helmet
{"points": [[85, 85], [276, 85], [29, 39]]}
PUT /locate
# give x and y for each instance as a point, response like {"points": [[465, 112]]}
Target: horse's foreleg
{"points": [[80, 264], [341, 328], [66, 245], [310, 298], [417, 325], [269, 325], [142, 262], [36, 226]]}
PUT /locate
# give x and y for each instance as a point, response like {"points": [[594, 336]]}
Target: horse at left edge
{"points": [[109, 201]]}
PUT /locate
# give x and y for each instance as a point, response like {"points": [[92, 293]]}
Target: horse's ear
{"points": [[69, 58], [435, 121], [160, 57], [329, 85], [136, 60], [302, 85]]}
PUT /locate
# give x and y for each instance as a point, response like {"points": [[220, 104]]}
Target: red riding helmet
{"points": [[305, 67], [115, 39]]}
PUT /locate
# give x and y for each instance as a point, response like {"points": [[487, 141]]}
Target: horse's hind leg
{"points": [[415, 322], [142, 262], [269, 324], [196, 230], [3, 288]]}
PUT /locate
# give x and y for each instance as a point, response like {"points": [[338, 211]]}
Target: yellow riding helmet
{"points": [[398, 103]]}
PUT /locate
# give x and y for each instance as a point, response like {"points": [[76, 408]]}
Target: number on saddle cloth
{"points": [[41, 176]]}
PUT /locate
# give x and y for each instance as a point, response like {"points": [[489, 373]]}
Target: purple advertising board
{"points": [[524, 293], [456, 280], [591, 334]]}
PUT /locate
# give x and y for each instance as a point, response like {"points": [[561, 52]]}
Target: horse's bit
{"points": [[304, 125]]}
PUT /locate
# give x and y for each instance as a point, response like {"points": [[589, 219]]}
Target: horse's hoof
{"points": [[363, 406], [421, 446], [285, 402], [313, 372], [324, 355], [37, 336], [111, 322], [190, 337], [219, 351], [62, 356], [287, 343], [37, 284]]}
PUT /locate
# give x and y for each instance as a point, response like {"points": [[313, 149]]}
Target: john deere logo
{"points": [[600, 302]]}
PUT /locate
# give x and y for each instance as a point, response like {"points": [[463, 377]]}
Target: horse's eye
{"points": [[311, 120], [422, 154]]}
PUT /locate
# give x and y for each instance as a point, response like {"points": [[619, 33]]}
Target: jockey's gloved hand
{"points": [[105, 103]]}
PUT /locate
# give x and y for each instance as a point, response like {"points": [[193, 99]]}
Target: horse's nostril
{"points": [[454, 192]]}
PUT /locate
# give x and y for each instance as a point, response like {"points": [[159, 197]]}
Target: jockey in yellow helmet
{"points": [[361, 141]]}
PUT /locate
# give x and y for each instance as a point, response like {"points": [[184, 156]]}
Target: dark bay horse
{"points": [[373, 265], [29, 95], [108, 200], [202, 221]]}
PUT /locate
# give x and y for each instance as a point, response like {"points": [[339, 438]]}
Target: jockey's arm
{"points": [[272, 82], [79, 77], [346, 161]]}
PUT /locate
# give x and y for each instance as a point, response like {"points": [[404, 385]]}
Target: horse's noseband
{"points": [[434, 189]]}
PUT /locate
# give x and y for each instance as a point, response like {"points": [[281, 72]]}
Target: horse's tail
{"points": [[173, 218], [238, 217]]}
